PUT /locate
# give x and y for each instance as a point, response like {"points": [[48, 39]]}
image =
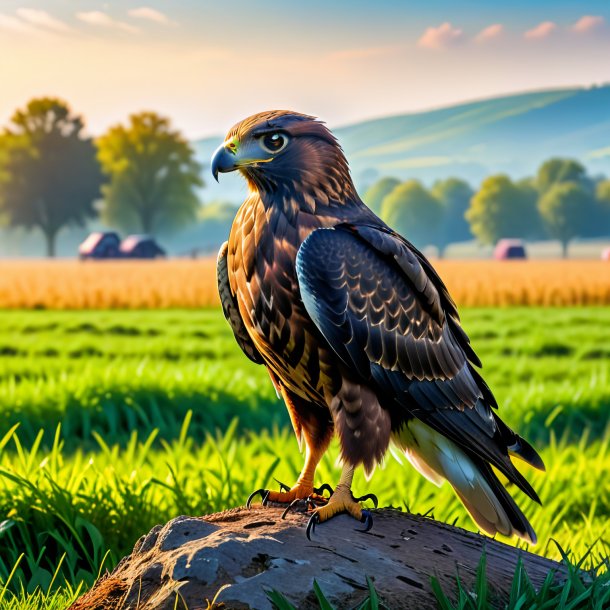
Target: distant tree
{"points": [[558, 170], [564, 209], [455, 195], [218, 209], [153, 175], [412, 211], [602, 196], [500, 209], [602, 192], [375, 195], [49, 176], [529, 192]]}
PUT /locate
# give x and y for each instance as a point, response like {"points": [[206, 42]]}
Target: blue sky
{"points": [[208, 64]]}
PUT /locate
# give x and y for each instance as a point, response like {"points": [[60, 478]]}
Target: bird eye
{"points": [[274, 142]]}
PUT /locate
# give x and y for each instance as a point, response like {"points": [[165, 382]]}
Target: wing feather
{"points": [[388, 315], [231, 310]]}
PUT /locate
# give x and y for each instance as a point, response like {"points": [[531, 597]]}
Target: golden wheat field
{"points": [[192, 283]]}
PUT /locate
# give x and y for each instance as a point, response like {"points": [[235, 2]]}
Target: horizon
{"points": [[430, 109], [208, 66]]}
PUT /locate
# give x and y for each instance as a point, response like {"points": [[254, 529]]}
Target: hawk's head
{"points": [[281, 149]]}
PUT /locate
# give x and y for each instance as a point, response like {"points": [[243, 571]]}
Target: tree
{"points": [[501, 209], [565, 208], [49, 175], [602, 196], [602, 193], [153, 175], [558, 170], [455, 195], [412, 211], [375, 195]]}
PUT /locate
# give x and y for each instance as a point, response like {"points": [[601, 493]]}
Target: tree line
{"points": [[560, 202], [141, 176]]}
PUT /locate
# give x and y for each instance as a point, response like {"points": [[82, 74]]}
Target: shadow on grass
{"points": [[115, 415]]}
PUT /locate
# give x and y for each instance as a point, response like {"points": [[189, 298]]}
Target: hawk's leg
{"points": [[303, 489], [343, 501], [315, 427]]}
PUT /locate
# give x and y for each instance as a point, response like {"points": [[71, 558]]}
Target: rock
{"points": [[186, 562]]}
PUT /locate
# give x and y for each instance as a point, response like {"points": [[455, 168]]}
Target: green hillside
{"points": [[512, 134]]}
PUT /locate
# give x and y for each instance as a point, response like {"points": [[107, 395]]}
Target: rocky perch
{"points": [[184, 563]]}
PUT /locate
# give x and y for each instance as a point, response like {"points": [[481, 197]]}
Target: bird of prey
{"points": [[357, 330]]}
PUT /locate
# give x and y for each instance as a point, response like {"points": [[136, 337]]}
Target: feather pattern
{"points": [[358, 331]]}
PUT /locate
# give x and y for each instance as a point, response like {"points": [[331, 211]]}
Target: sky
{"points": [[207, 65]]}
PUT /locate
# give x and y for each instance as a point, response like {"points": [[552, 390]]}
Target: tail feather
{"points": [[518, 446], [493, 508], [473, 479]]}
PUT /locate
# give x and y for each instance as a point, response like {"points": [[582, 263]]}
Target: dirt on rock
{"points": [[185, 563]]}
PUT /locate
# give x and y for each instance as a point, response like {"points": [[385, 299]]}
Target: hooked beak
{"points": [[224, 160]]}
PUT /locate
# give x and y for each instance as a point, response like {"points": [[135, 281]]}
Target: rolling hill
{"points": [[511, 134]]}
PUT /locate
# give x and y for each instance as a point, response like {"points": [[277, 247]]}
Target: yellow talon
{"points": [[342, 501]]}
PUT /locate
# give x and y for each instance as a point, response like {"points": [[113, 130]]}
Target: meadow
{"points": [[114, 421], [186, 283]]}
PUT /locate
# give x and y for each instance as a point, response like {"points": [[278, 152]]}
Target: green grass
{"points": [[578, 590], [115, 372], [119, 414]]}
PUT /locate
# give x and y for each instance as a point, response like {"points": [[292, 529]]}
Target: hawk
{"points": [[358, 332]]}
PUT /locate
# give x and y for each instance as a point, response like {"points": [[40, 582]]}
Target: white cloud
{"points": [[151, 14], [440, 37], [490, 32], [588, 23], [42, 19], [8, 22], [542, 30], [98, 18]]}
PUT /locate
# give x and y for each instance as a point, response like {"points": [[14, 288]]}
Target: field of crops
{"points": [[192, 283], [113, 421]]}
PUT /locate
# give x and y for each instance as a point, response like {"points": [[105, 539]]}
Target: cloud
{"points": [[490, 32], [588, 23], [8, 22], [98, 18], [151, 14], [542, 30], [42, 19], [440, 37]]}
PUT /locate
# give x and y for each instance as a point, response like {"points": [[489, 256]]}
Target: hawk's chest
{"points": [[263, 246]]}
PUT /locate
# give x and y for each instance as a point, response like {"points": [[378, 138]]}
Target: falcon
{"points": [[357, 331]]}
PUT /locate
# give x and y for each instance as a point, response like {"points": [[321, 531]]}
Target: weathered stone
{"points": [[183, 530], [187, 561]]}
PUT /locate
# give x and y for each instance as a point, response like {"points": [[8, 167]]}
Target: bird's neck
{"points": [[296, 197]]}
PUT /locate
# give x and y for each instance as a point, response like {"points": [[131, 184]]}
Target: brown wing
{"points": [[231, 310], [390, 318]]}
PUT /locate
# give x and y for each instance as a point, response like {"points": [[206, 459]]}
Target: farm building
{"points": [[100, 244], [510, 249], [141, 246], [108, 244]]}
